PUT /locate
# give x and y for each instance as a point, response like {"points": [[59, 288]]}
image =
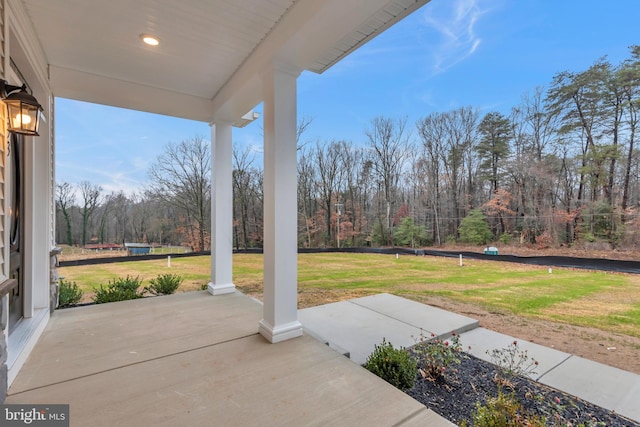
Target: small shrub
{"points": [[504, 411], [505, 238], [437, 356], [120, 289], [512, 361], [450, 238], [395, 366], [164, 284], [68, 294], [204, 287]]}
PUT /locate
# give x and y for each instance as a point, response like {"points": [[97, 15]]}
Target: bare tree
{"points": [[141, 212], [181, 178], [307, 197], [65, 198], [242, 195], [105, 213], [303, 125], [90, 194], [459, 140], [389, 145], [432, 130], [330, 172], [354, 219], [121, 206]]}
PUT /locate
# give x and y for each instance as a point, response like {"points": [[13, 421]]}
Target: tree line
{"points": [[561, 167], [173, 208]]}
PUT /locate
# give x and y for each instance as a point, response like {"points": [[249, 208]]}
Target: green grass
{"points": [[608, 301], [170, 250], [195, 271]]}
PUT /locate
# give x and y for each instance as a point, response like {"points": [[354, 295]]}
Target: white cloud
{"points": [[140, 163], [453, 22]]}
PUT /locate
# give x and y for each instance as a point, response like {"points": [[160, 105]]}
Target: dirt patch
{"points": [[314, 296], [90, 254]]}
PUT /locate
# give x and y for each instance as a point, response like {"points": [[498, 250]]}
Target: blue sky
{"points": [[450, 53]]}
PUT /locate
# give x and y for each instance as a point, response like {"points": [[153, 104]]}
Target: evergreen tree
{"points": [[495, 135], [474, 228]]}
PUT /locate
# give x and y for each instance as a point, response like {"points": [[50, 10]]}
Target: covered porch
{"points": [[190, 359], [209, 61]]}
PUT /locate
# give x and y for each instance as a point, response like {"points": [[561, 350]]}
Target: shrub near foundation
{"points": [[68, 294], [120, 289], [164, 284], [395, 366]]}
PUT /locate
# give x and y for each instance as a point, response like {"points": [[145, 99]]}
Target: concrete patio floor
{"points": [[194, 359]]}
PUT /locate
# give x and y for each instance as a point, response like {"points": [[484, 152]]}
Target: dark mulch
{"points": [[454, 397]]}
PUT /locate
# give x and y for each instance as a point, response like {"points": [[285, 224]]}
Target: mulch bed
{"points": [[454, 397]]}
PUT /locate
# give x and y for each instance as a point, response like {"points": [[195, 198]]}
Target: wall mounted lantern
{"points": [[23, 108]]}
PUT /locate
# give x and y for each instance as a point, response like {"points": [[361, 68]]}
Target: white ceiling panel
{"points": [[208, 48]]}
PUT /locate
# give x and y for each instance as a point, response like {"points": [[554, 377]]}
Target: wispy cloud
{"points": [[454, 23]]}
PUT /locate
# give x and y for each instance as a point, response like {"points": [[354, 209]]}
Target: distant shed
{"points": [[491, 250], [138, 248]]}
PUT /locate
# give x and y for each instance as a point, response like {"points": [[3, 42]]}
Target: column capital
{"points": [[220, 121]]}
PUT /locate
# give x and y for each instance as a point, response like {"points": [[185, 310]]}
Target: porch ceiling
{"points": [[211, 52]]}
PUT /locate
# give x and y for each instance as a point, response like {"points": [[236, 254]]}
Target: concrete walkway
{"points": [[355, 326]]}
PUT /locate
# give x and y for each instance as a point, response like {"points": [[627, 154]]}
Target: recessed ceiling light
{"points": [[149, 39]]}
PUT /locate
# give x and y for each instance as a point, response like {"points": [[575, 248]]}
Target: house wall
{"points": [[22, 58]]}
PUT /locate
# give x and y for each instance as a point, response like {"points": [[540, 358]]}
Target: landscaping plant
{"points": [[395, 366], [512, 361], [436, 355], [504, 411], [68, 294], [164, 284], [120, 289]]}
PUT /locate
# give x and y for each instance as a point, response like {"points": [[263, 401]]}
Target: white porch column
{"points": [[221, 209], [280, 312]]}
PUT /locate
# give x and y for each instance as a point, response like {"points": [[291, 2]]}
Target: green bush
{"points": [[395, 366], [68, 294], [164, 284], [505, 238], [120, 289]]}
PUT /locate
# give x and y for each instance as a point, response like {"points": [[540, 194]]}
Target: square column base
{"points": [[228, 288], [280, 333]]}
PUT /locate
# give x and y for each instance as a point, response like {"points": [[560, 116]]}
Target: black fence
{"points": [[620, 266]]}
